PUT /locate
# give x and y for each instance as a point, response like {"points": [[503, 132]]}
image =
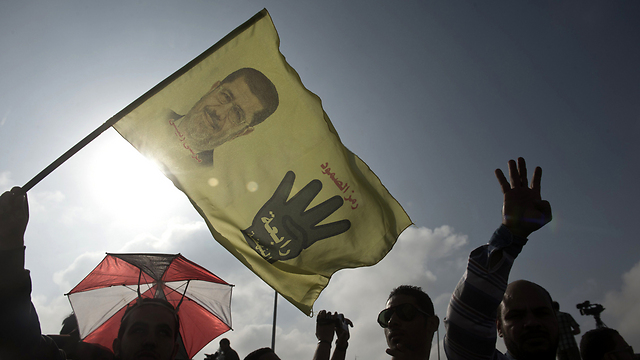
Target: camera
{"points": [[340, 322], [587, 308]]}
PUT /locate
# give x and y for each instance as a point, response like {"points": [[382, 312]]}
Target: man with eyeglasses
{"points": [[230, 109], [409, 323], [483, 303]]}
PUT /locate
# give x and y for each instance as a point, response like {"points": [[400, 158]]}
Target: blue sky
{"points": [[432, 95]]}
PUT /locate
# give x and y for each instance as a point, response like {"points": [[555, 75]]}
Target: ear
{"points": [[116, 346], [433, 322], [215, 85], [499, 327]]}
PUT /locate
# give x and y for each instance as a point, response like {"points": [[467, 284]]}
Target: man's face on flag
{"points": [[222, 114]]}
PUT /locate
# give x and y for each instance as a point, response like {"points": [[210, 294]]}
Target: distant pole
{"points": [[273, 330]]}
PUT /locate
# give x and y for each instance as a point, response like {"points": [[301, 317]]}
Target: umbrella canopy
{"points": [[100, 300]]}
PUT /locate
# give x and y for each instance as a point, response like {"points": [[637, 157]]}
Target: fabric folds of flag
{"points": [[253, 150]]}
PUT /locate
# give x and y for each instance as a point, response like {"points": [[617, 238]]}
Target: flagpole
{"points": [[146, 96], [273, 330]]}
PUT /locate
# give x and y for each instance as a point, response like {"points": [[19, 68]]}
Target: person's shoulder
{"points": [[234, 354]]}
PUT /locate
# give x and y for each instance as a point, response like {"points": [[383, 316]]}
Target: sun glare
{"points": [[129, 186]]}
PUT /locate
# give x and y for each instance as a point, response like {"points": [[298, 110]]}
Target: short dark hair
{"points": [[261, 87], [225, 341], [422, 299], [257, 354], [595, 343], [124, 322]]}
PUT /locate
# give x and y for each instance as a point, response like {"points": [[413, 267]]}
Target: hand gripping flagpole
{"points": [[146, 96]]}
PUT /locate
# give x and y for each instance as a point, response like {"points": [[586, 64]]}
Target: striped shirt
{"points": [[471, 316]]}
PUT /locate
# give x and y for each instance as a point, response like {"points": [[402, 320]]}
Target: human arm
{"points": [[20, 336], [324, 333], [471, 316], [342, 332], [326, 325], [574, 325]]}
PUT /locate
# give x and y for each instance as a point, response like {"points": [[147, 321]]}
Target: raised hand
{"points": [[523, 210], [14, 215], [282, 229], [325, 326]]}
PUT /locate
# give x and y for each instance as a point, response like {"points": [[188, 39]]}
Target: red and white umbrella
{"points": [[100, 300]]}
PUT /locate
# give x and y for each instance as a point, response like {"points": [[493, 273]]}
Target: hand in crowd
{"points": [[14, 215], [327, 325], [523, 210]]}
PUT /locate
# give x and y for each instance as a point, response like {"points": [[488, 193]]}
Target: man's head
{"points": [[230, 109], [148, 330], [262, 354], [409, 321], [604, 344], [527, 322], [225, 344]]}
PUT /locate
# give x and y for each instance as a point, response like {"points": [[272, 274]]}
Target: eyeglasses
{"points": [[235, 113], [406, 312]]}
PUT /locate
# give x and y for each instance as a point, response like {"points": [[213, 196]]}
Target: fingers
{"points": [[17, 190], [514, 175], [535, 180], [329, 230], [545, 208], [14, 200], [304, 197], [284, 189], [504, 184], [518, 176], [322, 211], [522, 169]]}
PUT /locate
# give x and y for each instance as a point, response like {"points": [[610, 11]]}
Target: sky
{"points": [[432, 95]]}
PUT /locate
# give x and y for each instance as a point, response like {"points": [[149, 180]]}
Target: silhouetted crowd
{"points": [[483, 306]]}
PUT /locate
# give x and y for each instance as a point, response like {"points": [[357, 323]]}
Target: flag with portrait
{"points": [[253, 150]]}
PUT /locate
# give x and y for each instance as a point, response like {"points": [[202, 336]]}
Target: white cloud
{"points": [[5, 181], [51, 312], [77, 270], [624, 306], [42, 201], [171, 239]]}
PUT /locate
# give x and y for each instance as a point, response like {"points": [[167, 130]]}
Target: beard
{"points": [[532, 349]]}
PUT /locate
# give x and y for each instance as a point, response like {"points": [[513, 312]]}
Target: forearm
{"points": [[340, 353], [323, 350], [471, 316], [20, 336]]}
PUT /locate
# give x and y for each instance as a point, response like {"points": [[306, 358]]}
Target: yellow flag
{"points": [[252, 148]]}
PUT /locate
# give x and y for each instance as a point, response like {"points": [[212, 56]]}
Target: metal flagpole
{"points": [[273, 330]]}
